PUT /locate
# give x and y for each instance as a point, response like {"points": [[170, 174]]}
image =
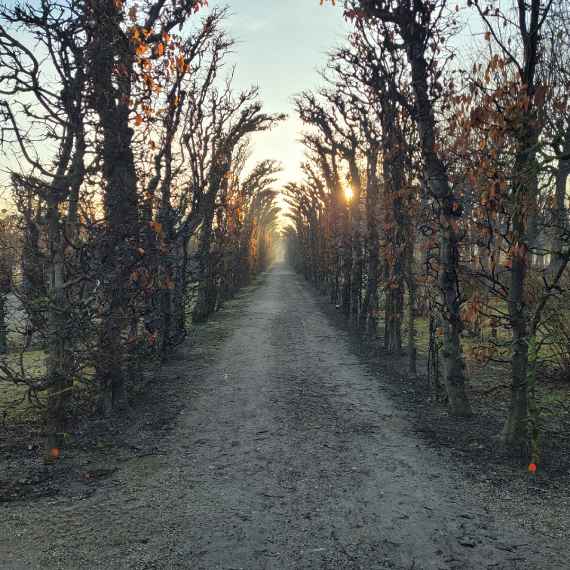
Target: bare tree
{"points": [[35, 112]]}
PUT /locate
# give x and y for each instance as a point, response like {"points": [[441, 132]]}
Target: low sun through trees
{"points": [[284, 284], [436, 186], [431, 208]]}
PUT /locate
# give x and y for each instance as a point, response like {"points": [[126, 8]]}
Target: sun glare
{"points": [[348, 193]]}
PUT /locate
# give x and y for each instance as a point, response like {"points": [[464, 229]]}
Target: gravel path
{"points": [[287, 454]]}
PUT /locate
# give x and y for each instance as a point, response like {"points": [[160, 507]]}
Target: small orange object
{"points": [[55, 452], [532, 468]]}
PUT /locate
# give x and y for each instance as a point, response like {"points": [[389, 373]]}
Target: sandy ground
{"points": [[280, 450]]}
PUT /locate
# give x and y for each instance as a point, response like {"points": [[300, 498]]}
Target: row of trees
{"points": [[436, 179], [133, 200]]}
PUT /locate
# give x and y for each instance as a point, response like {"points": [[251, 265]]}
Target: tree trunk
{"points": [[393, 168], [356, 254], [370, 303], [515, 433], [412, 296], [110, 50], [5, 289], [440, 189], [134, 357], [393, 319], [201, 310], [59, 383], [178, 322], [452, 354], [560, 213], [33, 280], [346, 292], [3, 322]]}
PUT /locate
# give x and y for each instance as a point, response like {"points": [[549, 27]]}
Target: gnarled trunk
{"points": [[440, 189], [110, 50]]}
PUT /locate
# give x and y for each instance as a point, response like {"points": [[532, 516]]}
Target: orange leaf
{"points": [[157, 227], [181, 63], [141, 49]]}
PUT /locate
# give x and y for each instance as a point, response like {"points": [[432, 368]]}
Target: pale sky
{"points": [[281, 45]]}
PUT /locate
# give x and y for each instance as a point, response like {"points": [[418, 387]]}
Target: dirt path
{"points": [[287, 454]]}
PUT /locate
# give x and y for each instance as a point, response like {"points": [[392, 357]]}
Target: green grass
{"points": [[14, 403]]}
